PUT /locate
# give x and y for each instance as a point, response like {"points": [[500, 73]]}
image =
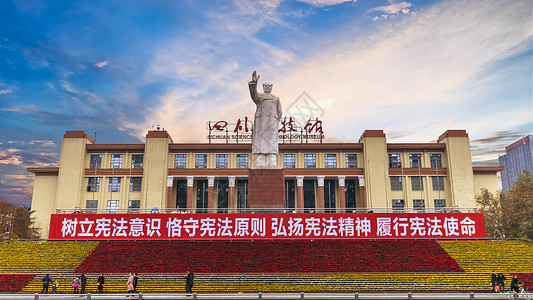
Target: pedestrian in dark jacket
{"points": [[515, 284], [46, 283], [501, 281], [100, 283], [83, 280], [493, 280], [189, 281], [135, 281]]}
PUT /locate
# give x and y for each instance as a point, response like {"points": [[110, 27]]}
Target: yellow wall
{"points": [[155, 164], [487, 181], [376, 161], [43, 202], [71, 173], [460, 172]]}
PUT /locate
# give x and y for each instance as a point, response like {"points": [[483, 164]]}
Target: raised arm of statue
{"points": [[253, 87]]}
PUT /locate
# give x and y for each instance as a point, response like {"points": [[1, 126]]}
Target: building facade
{"points": [[159, 175], [518, 157]]}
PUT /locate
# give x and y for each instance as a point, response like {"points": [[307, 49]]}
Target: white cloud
{"points": [[2, 92], [425, 69], [415, 78], [44, 143], [8, 157], [392, 9], [326, 2], [101, 64]]}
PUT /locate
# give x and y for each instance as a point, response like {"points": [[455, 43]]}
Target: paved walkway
{"points": [[272, 296]]}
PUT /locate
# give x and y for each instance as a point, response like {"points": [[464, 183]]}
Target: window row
{"points": [[116, 161], [112, 205], [114, 184], [415, 160], [289, 161], [417, 184], [398, 205]]}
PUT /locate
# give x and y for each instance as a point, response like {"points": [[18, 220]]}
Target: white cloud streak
{"points": [[102, 64], [326, 2], [418, 76]]}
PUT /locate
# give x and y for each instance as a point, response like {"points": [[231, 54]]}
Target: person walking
{"points": [[129, 285], [100, 283], [46, 282], [501, 281], [76, 284], [189, 281], [515, 283], [83, 280], [55, 284], [135, 281], [493, 281]]}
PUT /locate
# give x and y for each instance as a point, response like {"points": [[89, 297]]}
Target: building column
{"points": [[342, 194], [170, 183], [320, 180], [362, 201], [299, 193], [231, 193], [190, 184], [210, 194]]}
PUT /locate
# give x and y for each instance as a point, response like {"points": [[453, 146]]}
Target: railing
{"points": [[77, 210]]}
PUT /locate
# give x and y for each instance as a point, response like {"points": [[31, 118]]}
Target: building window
{"points": [[222, 161], [134, 205], [398, 205], [331, 160], [242, 161], [436, 160], [351, 160], [438, 183], [96, 161], [180, 161], [116, 161], [94, 184], [416, 183], [92, 206], [440, 205], [114, 184], [309, 161], [135, 184], [201, 161], [137, 161], [396, 183], [419, 205], [112, 206], [395, 160], [415, 160], [289, 161]]}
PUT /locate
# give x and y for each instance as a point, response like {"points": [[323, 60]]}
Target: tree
{"points": [[518, 207], [18, 221], [509, 215], [490, 206]]}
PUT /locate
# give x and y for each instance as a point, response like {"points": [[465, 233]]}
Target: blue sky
{"points": [[411, 68]]}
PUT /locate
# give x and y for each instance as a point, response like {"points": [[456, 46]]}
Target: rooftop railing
{"points": [[77, 210]]}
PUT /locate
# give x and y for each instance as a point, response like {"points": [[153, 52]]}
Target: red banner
{"points": [[267, 226]]}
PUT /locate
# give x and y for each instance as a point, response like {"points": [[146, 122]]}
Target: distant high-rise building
{"points": [[518, 157]]}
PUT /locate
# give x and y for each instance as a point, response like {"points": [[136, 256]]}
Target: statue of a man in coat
{"points": [[267, 115]]}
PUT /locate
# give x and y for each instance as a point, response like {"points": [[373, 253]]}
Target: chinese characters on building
{"points": [[257, 226], [242, 129]]}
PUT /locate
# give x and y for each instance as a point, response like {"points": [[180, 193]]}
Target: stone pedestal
{"points": [[266, 189]]}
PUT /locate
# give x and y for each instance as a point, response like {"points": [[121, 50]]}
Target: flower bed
{"points": [[276, 256], [14, 282], [489, 255]]}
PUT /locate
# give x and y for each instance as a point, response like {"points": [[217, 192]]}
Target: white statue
{"points": [[267, 115]]}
